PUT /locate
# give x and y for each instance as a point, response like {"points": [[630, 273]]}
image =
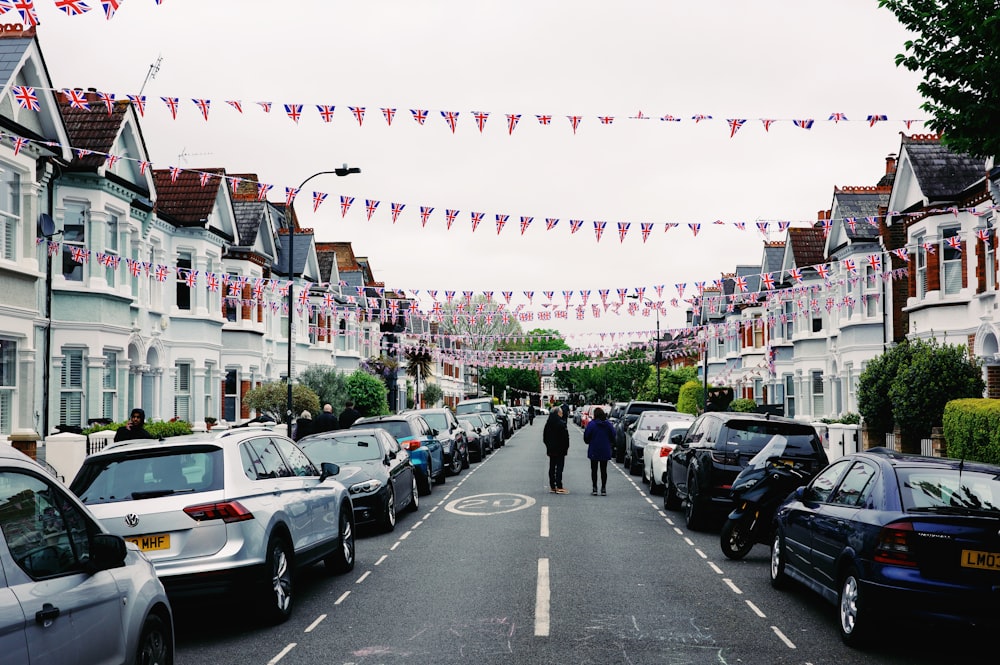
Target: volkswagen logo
{"points": [[132, 520]]}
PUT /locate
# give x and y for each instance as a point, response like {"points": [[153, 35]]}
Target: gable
{"points": [[21, 64]]}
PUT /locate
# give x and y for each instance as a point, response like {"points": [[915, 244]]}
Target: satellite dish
{"points": [[46, 227]]}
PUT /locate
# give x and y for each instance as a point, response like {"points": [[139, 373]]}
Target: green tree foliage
{"points": [[956, 52], [743, 405], [533, 348], [419, 363], [272, 398], [910, 384], [328, 384], [432, 394], [691, 398], [671, 381], [369, 394]]}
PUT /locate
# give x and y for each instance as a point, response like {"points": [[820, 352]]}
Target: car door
{"points": [[432, 443], [834, 523], [68, 616], [680, 459], [799, 520], [399, 467], [279, 491], [320, 498]]}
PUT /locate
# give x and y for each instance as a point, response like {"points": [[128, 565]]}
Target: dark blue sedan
{"points": [[416, 437], [883, 534]]}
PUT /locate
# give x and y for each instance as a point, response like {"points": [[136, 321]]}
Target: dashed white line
{"points": [[542, 599], [715, 568], [781, 636], [394, 546], [732, 585], [756, 610], [545, 522], [381, 559], [363, 577], [678, 531], [342, 598], [315, 623], [417, 524], [700, 553], [405, 535], [281, 654], [433, 509]]}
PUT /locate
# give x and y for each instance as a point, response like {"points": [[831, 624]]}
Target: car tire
{"points": [[620, 455], [465, 457], [342, 559], [456, 461], [694, 517], [426, 484], [851, 610], [670, 499], [736, 537], [155, 646], [389, 518], [634, 468], [779, 578], [279, 583], [414, 494], [655, 488]]}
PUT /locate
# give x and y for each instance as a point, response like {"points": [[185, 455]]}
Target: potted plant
{"points": [[209, 421]]}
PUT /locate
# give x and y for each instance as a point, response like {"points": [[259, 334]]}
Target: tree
{"points": [[368, 393], [955, 50], [328, 384], [691, 398], [874, 384], [671, 381], [272, 398], [432, 394]]}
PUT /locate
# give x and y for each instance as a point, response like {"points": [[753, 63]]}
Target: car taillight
{"points": [[665, 451], [227, 511], [720, 458], [410, 444], [894, 545]]}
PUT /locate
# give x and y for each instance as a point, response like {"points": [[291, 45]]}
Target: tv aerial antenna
{"points": [[151, 74], [184, 154]]}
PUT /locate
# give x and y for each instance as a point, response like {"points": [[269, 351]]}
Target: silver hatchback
{"points": [[219, 513]]}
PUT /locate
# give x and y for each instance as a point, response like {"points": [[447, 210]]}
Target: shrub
{"points": [[369, 394], [972, 429], [157, 429], [691, 398], [743, 404]]}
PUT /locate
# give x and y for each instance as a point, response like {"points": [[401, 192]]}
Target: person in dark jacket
{"points": [[325, 421], [348, 415], [599, 436], [304, 425], [556, 439], [135, 428]]}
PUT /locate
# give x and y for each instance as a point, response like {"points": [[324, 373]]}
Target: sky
{"points": [[633, 61]]}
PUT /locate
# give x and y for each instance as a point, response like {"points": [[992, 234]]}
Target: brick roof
{"points": [[184, 201], [808, 245], [94, 130]]}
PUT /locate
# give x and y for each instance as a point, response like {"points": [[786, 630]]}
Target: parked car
{"points": [[627, 416], [454, 443], [474, 405], [659, 447], [505, 419], [639, 434], [416, 437], [587, 413], [701, 469], [495, 429], [374, 467], [881, 534], [69, 590], [219, 513], [478, 441]]}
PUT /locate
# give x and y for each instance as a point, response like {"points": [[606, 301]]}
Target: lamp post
{"points": [[656, 353], [342, 171]]}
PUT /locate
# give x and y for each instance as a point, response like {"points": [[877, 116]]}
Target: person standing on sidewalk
{"points": [[556, 439], [599, 436]]}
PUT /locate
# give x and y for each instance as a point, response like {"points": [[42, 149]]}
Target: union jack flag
{"points": [[877, 117], [262, 189], [574, 225], [767, 279], [258, 289], [544, 119], [767, 123], [290, 194], [420, 115], [26, 97], [827, 225], [294, 112], [512, 120], [795, 274], [501, 221], [395, 209], [175, 172], [680, 289], [902, 253], [345, 204], [983, 235], [19, 143], [741, 282], [548, 294], [108, 99], [530, 295], [450, 117], [734, 125], [574, 121], [875, 261], [507, 295], [645, 228], [449, 216], [852, 222], [110, 7], [622, 293], [304, 294], [481, 117], [604, 293], [236, 104], [77, 99], [606, 119], [762, 227], [742, 226], [954, 242], [204, 178], [370, 206], [191, 279], [669, 225], [804, 124], [822, 270], [698, 117], [599, 229], [140, 103], [265, 106], [623, 228], [79, 254], [837, 117], [449, 296], [26, 8], [134, 267], [329, 303], [930, 248], [550, 223], [872, 221], [850, 266], [694, 228], [425, 212], [782, 226], [700, 286], [161, 273], [318, 198], [359, 113], [72, 7], [203, 105], [669, 118], [212, 281], [477, 217], [525, 223], [173, 103]]}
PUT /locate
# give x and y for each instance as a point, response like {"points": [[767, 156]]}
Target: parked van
{"points": [[475, 405]]}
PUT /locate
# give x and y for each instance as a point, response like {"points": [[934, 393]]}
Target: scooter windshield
{"points": [[773, 449]]}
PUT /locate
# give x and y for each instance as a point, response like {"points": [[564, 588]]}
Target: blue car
{"points": [[883, 534], [417, 437]]}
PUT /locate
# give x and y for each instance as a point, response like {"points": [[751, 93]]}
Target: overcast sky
{"points": [[783, 60]]}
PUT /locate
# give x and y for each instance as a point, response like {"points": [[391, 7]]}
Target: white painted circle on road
{"points": [[490, 504]]}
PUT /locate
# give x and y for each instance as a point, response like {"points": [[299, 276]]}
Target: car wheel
{"points": [[277, 597], [465, 458], [670, 499], [736, 538], [154, 643], [655, 488], [620, 455], [389, 519], [634, 467], [779, 579], [426, 484], [456, 461], [414, 494], [342, 560], [693, 510], [854, 625]]}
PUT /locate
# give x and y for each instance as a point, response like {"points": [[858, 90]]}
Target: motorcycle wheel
{"points": [[735, 538]]}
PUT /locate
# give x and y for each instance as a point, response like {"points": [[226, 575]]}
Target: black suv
{"points": [[629, 415], [702, 467], [454, 442]]}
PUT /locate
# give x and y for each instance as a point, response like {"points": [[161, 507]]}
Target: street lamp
{"points": [[656, 354], [342, 171]]}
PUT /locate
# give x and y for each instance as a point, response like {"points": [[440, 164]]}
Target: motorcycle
{"points": [[758, 491]]}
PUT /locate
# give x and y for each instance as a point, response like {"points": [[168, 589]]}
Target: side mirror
{"points": [[678, 440], [434, 432], [106, 551], [327, 470]]}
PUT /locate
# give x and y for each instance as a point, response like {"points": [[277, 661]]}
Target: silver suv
{"points": [[228, 512], [69, 590]]}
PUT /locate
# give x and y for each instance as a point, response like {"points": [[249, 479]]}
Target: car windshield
{"points": [[437, 421], [488, 418], [752, 435], [397, 428], [342, 449], [149, 473], [470, 420], [652, 421], [927, 490]]}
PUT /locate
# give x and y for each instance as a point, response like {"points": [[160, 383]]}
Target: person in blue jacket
{"points": [[599, 435]]}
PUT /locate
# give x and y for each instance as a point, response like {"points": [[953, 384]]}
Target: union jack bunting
{"points": [[507, 295], [420, 115], [481, 118], [795, 274], [623, 228], [501, 222], [26, 8], [734, 125], [767, 123], [449, 218], [359, 113], [477, 217], [767, 280], [645, 228], [550, 223], [599, 229], [544, 119], [204, 177], [236, 104], [741, 283], [265, 106], [574, 121], [290, 194], [294, 112], [954, 242], [694, 228], [699, 117], [191, 278], [345, 204], [804, 124], [669, 118], [110, 7], [212, 281], [395, 209], [174, 173], [325, 111], [318, 198], [262, 189], [872, 119], [108, 99], [574, 225], [134, 266], [762, 227], [139, 101], [983, 235], [425, 212], [823, 270], [388, 114], [530, 295], [512, 120], [72, 7], [450, 117], [902, 253], [19, 143], [370, 207], [606, 119], [203, 105], [525, 223], [850, 266], [173, 103], [875, 261], [77, 99], [837, 117], [26, 97]]}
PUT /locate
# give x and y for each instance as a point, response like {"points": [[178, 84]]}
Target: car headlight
{"points": [[367, 487]]}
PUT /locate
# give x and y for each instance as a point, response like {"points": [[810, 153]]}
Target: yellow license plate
{"points": [[983, 560], [152, 542]]}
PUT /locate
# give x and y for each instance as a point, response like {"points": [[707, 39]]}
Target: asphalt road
{"points": [[493, 568]]}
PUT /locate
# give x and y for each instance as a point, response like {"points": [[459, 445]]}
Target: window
{"points": [[817, 323], [10, 213], [788, 325], [183, 290], [232, 397], [758, 390], [856, 486], [920, 266], [111, 250], [231, 300], [871, 293], [951, 264], [758, 332], [182, 392], [74, 241], [109, 385], [296, 459], [991, 258], [823, 484], [8, 382], [817, 393], [262, 461], [71, 388]]}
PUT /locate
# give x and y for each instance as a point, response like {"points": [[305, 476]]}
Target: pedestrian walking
{"points": [[531, 414], [348, 415], [599, 435], [304, 425], [325, 421], [556, 439], [135, 428]]}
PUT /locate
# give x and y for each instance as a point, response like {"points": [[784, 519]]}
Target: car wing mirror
{"points": [[328, 470], [678, 440]]}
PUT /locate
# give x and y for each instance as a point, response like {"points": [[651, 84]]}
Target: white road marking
{"points": [[714, 567], [756, 610], [542, 599], [670, 521], [678, 531], [342, 598], [650, 501], [781, 636], [545, 522], [381, 559], [281, 654], [662, 514], [416, 525], [363, 577], [315, 623], [433, 509], [688, 541], [700, 553], [405, 535], [731, 585], [394, 546]]}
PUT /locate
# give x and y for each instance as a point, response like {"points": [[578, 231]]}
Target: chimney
{"points": [[890, 163]]}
